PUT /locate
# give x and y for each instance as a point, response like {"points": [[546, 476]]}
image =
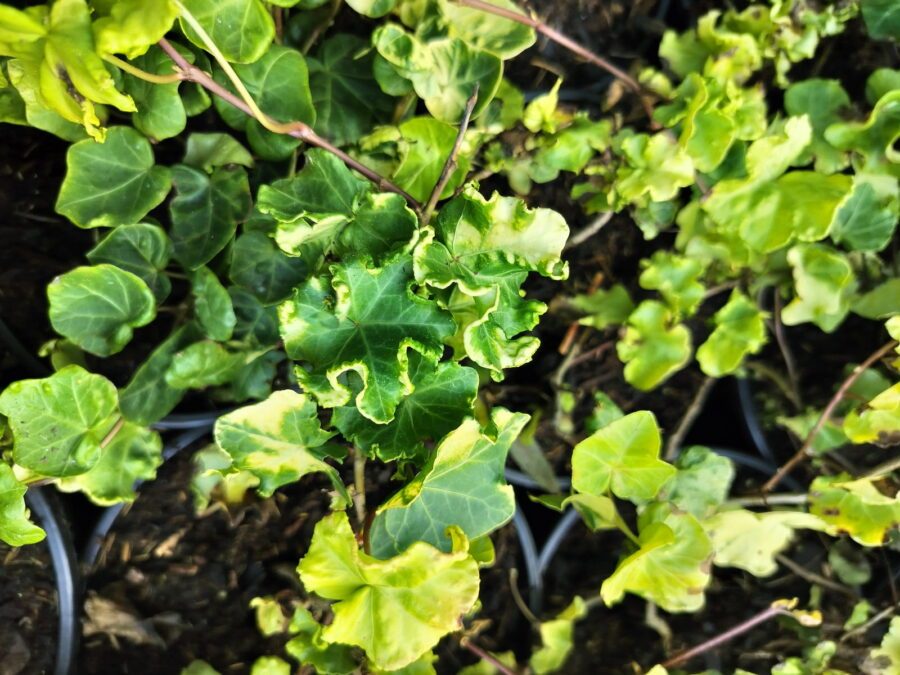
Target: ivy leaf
{"points": [[557, 639], [206, 211], [142, 249], [444, 72], [656, 166], [750, 541], [325, 209], [652, 346], [279, 83], [364, 321], [254, 379], [259, 266], [821, 101], [148, 398], [888, 653], [372, 8], [160, 111], [443, 395], [426, 143], [59, 421], [605, 307], [484, 250], [133, 454], [347, 99], [622, 458], [212, 305], [676, 279], [671, 568], [204, 364], [865, 221], [420, 594], [500, 36], [702, 482], [242, 29], [255, 323], [881, 82], [15, 527], [462, 486], [874, 138], [131, 27], [824, 282], [276, 441], [856, 507], [882, 19], [98, 307], [740, 330], [879, 423], [209, 151], [879, 303], [309, 648], [112, 183]]}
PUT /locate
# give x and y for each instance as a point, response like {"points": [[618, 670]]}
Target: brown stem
{"points": [[567, 42], [806, 448], [299, 130], [730, 634], [487, 656], [450, 164], [690, 415]]}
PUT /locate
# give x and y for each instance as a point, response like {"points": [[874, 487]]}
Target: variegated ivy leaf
{"points": [[702, 482], [656, 168], [487, 31], [750, 541], [443, 395], [361, 323], [480, 252], [420, 594], [557, 639], [98, 307], [444, 72], [822, 101], [740, 329], [622, 458], [770, 208], [872, 141], [133, 454], [462, 486], [309, 648], [677, 280], [15, 527], [653, 346], [142, 249], [879, 422], [325, 209], [856, 507], [58, 422], [887, 655], [671, 567], [242, 29], [279, 441], [824, 283], [56, 46], [605, 307]]}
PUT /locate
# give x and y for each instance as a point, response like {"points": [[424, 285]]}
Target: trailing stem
{"points": [[777, 608], [806, 449], [567, 42], [300, 130], [450, 164]]}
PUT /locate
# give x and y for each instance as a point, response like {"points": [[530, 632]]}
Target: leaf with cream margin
{"points": [[420, 594]]}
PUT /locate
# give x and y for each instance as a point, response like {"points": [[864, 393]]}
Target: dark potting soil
{"points": [[171, 586], [29, 616]]}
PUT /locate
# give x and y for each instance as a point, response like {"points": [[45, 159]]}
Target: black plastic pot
{"points": [[47, 512]]}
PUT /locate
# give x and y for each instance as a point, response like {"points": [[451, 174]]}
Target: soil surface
{"points": [[28, 610]]}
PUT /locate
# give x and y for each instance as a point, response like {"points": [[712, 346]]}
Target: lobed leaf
{"points": [[462, 486], [420, 594], [740, 330], [142, 249], [16, 529], [652, 346], [856, 507]]}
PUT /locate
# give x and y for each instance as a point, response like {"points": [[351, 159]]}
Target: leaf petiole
{"points": [[142, 74]]}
